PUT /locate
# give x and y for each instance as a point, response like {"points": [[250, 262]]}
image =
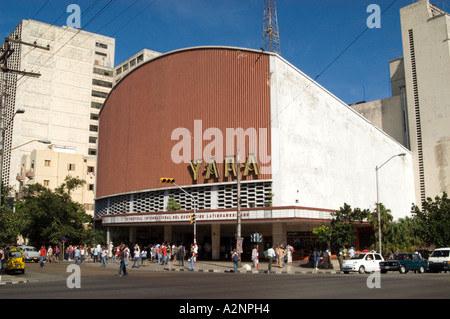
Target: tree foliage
{"points": [[402, 235], [51, 215], [173, 205], [341, 231], [434, 221], [11, 222]]}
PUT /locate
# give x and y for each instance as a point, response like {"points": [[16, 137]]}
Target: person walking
{"points": [[182, 254], [255, 257], [137, 256], [2, 259], [271, 256], [42, 256], [281, 255], [123, 262], [191, 259], [316, 257], [235, 259], [104, 256]]}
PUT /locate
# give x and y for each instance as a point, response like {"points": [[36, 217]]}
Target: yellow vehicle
{"points": [[14, 260]]}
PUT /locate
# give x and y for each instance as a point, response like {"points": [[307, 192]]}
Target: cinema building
{"points": [[191, 114]]}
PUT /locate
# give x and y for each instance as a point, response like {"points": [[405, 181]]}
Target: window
{"points": [[47, 163], [94, 116], [102, 83], [103, 72], [132, 62], [101, 45], [91, 169], [99, 94], [96, 105], [90, 187], [70, 167], [92, 139], [140, 58], [46, 183], [93, 128], [92, 151]]}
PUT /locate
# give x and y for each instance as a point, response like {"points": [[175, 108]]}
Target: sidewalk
{"points": [[295, 268]]}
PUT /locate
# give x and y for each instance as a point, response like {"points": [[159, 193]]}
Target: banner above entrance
{"points": [[247, 214]]}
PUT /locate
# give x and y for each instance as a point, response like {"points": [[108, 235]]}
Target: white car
{"points": [[30, 253], [439, 260], [362, 262]]}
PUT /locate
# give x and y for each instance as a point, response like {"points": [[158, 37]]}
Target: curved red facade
{"points": [[199, 93]]}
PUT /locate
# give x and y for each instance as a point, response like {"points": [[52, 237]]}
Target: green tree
{"points": [[434, 220], [386, 219], [342, 224], [51, 215], [11, 222], [402, 235], [173, 205], [323, 234]]}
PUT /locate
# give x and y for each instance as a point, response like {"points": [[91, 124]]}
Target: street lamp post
{"points": [[378, 201]]}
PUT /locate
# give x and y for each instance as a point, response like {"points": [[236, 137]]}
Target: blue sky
{"points": [[312, 32]]}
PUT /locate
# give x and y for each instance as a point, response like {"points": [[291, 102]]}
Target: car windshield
{"points": [[440, 253], [30, 249], [359, 256], [15, 254]]}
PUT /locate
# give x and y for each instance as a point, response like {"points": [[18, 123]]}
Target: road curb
{"points": [[11, 282], [282, 272]]}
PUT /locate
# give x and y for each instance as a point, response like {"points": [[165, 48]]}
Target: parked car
{"points": [[30, 253], [439, 260], [404, 262], [15, 260], [362, 262]]}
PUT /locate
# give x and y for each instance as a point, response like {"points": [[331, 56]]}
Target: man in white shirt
{"points": [[270, 255]]}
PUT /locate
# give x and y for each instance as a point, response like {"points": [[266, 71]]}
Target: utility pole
{"points": [[271, 34], [6, 51], [239, 238]]}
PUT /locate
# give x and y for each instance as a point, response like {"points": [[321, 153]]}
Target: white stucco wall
{"points": [[324, 153]]}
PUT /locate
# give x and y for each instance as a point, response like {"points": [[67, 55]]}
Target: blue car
{"points": [[404, 262]]}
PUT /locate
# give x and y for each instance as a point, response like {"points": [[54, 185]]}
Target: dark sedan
{"points": [[404, 262]]}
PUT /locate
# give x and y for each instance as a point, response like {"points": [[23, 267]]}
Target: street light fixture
{"points": [[378, 202]]}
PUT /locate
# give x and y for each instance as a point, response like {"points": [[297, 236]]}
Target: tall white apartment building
{"points": [[418, 113], [62, 104]]}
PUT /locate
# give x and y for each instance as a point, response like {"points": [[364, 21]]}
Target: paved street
{"points": [[213, 280]]}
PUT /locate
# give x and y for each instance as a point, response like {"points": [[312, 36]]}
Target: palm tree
{"points": [[385, 217]]}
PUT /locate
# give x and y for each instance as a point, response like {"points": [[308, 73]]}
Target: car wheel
{"points": [[402, 269], [362, 270], [421, 269]]}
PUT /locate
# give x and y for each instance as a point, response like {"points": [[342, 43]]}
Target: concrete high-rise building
{"points": [[62, 104], [133, 62], [418, 113], [426, 50]]}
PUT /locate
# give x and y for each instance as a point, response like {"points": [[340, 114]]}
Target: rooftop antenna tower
{"points": [[271, 36]]}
